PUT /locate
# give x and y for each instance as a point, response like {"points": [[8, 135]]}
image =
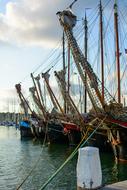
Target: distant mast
{"points": [[101, 49], [117, 53]]}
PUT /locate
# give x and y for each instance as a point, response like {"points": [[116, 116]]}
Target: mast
{"points": [[93, 84], [68, 68], [39, 89], [51, 93], [74, 111], [117, 49], [38, 97], [22, 99], [101, 49], [68, 82], [86, 49], [46, 80], [64, 68]]}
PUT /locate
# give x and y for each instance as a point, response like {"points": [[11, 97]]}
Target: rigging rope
{"points": [[53, 62], [70, 6], [81, 144]]}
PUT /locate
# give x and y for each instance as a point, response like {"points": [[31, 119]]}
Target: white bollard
{"points": [[89, 174]]}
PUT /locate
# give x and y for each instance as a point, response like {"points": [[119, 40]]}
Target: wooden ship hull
{"points": [[65, 132], [56, 134]]}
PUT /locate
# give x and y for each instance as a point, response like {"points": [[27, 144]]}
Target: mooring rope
{"points": [[36, 163], [80, 145]]}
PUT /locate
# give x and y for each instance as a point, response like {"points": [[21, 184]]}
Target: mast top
{"points": [[115, 6], [46, 75], [85, 16], [67, 18]]}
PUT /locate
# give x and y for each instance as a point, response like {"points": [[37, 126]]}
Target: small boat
{"points": [[25, 128]]}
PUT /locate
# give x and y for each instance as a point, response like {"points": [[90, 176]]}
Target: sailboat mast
{"points": [[39, 89], [42, 108], [68, 78], [52, 95], [86, 49], [101, 49], [64, 68], [22, 98], [117, 49], [68, 68]]}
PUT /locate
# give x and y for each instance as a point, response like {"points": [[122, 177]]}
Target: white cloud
{"points": [[29, 23], [33, 22]]}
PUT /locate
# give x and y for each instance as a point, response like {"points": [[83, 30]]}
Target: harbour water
{"points": [[17, 158]]}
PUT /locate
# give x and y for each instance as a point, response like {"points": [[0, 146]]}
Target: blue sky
{"points": [[29, 30], [3, 5]]}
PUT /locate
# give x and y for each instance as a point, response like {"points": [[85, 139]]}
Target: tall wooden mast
{"points": [[22, 99], [38, 97], [64, 68], [68, 78], [101, 49], [39, 89], [117, 53], [86, 50], [51, 93], [68, 83]]}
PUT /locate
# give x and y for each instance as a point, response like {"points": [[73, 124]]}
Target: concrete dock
{"points": [[116, 186]]}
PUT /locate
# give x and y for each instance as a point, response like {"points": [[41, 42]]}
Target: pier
{"points": [[116, 186]]}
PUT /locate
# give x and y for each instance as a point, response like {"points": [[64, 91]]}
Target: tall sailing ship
{"points": [[97, 95]]}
